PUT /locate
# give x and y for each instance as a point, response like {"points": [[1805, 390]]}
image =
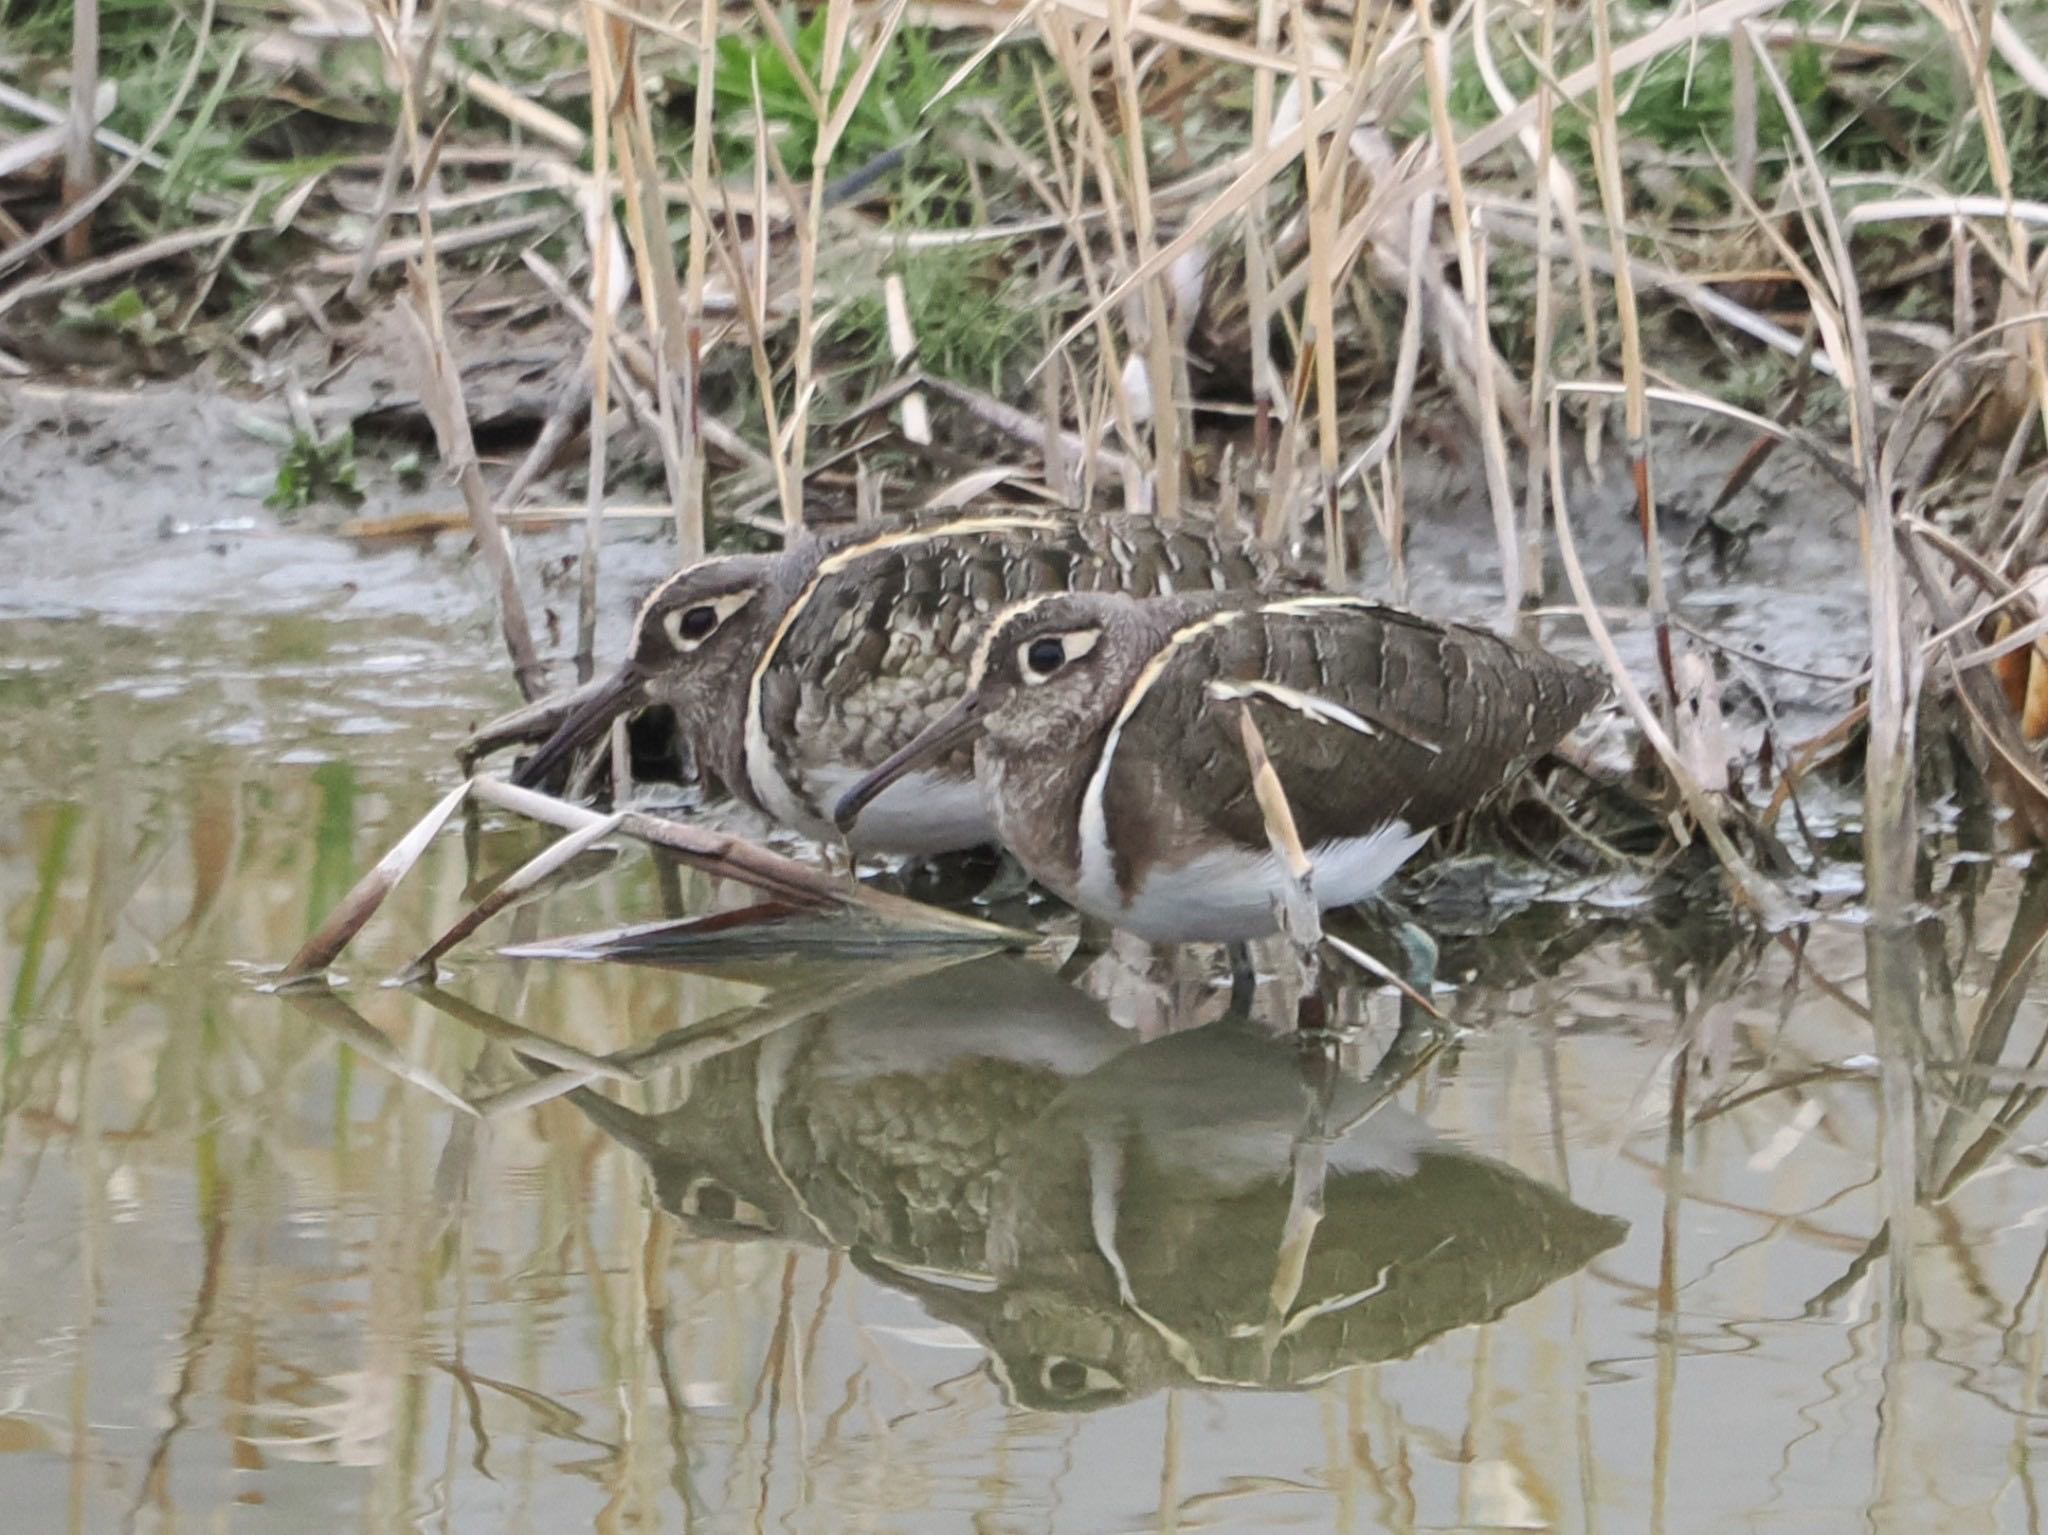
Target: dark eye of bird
{"points": [[1066, 1377], [1046, 656], [697, 622]]}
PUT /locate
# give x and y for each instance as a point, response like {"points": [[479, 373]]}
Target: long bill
{"points": [[623, 690], [957, 725]]}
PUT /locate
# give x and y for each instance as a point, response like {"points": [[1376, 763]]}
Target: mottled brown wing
{"points": [[1368, 714], [881, 645]]}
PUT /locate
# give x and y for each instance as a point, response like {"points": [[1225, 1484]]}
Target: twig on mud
{"points": [[132, 259], [491, 232]]}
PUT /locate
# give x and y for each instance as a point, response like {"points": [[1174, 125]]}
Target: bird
{"points": [[1108, 746], [791, 674]]}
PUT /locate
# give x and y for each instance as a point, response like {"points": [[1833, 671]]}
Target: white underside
{"points": [[920, 814], [1232, 894]]}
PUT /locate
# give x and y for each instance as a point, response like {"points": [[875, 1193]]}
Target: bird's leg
{"points": [[1244, 979], [1007, 883], [1090, 945]]}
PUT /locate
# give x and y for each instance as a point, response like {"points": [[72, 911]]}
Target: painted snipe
{"points": [[1108, 746], [792, 674]]}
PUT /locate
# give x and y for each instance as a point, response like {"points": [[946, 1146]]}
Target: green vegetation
{"points": [[314, 470]]}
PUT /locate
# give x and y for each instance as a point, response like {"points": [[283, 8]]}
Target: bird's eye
{"points": [[1065, 1379], [692, 626], [1046, 656]]}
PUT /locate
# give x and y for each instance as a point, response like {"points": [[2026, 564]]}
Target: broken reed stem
{"points": [[1706, 814], [661, 304], [690, 508], [1973, 46], [602, 106], [520, 882], [1890, 829], [1258, 257], [1323, 173], [440, 381], [733, 857], [1544, 322], [714, 852], [1159, 334], [80, 159], [342, 924], [1635, 414], [1300, 918]]}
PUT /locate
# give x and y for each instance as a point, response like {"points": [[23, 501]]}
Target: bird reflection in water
{"points": [[1108, 1218]]}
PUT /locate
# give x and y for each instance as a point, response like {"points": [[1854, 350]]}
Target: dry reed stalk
{"points": [[1973, 45], [80, 163], [341, 925], [1469, 243], [521, 882], [440, 381], [1542, 339], [647, 231], [1742, 118], [602, 107], [1258, 248], [72, 223], [735, 858], [1758, 894], [834, 116], [1064, 197], [690, 465], [1167, 397], [1323, 174], [1636, 415], [1093, 155], [1890, 827]]}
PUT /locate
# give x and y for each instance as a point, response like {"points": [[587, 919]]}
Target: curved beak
{"points": [[624, 689], [960, 723]]}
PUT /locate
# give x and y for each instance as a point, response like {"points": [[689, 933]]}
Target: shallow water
{"points": [[928, 1245], [931, 1245]]}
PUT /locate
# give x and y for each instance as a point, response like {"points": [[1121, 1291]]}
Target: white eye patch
{"points": [[692, 624], [1042, 658]]}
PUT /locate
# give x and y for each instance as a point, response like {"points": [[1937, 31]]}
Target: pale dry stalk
{"points": [[1635, 413], [80, 159], [602, 105], [1323, 172], [1167, 396], [440, 380], [1473, 280]]}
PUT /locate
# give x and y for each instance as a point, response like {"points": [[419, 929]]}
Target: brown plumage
{"points": [[1111, 750], [791, 674]]}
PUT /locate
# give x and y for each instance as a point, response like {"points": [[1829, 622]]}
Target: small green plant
{"points": [[907, 77], [972, 312], [316, 470], [126, 314]]}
